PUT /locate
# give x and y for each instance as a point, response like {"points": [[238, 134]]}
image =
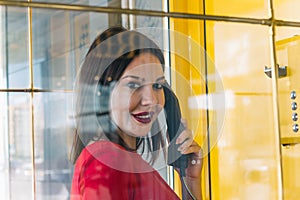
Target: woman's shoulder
{"points": [[105, 166], [101, 151], [95, 160], [113, 156]]}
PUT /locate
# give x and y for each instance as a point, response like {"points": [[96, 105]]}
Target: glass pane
{"points": [[134, 22], [288, 49], [14, 47], [3, 52], [195, 7], [245, 8], [287, 10], [4, 156], [148, 5], [138, 4], [61, 39], [78, 2], [246, 151], [187, 61], [19, 130], [53, 139]]}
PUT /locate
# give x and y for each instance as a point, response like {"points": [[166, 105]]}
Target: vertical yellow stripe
{"points": [[30, 60], [187, 77], [276, 100]]}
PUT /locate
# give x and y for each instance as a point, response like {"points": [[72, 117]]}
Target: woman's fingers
{"points": [[193, 148], [184, 122], [184, 140], [187, 133]]}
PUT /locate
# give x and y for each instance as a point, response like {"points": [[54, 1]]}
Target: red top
{"points": [[105, 170]]}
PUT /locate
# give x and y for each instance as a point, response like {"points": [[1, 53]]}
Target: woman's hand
{"points": [[189, 146]]}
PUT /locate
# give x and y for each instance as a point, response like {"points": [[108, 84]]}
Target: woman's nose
{"points": [[148, 95]]}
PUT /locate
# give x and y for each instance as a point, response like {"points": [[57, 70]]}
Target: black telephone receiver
{"points": [[175, 127]]}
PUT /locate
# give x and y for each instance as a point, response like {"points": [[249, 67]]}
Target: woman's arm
{"points": [[192, 180], [194, 187], [193, 176]]}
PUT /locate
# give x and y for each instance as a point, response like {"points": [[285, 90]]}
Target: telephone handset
{"points": [[175, 127]]}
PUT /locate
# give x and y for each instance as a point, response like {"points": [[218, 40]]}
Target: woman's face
{"points": [[138, 97]]}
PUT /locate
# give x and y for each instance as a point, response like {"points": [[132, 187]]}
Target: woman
{"points": [[120, 96]]}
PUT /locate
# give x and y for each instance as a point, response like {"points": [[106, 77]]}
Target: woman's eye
{"points": [[157, 86], [133, 85]]}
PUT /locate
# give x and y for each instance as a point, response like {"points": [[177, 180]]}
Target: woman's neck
{"points": [[129, 140]]}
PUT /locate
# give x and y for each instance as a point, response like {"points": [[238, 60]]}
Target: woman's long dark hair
{"points": [[106, 60]]}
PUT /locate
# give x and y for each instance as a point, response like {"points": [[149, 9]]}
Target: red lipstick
{"points": [[143, 117]]}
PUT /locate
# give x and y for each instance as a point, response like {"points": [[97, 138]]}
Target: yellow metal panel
{"points": [[288, 51], [247, 8], [244, 162], [188, 76]]}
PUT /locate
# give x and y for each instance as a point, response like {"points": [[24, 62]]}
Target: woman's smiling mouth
{"points": [[143, 117]]}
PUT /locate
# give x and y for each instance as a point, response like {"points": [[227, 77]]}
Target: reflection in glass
{"points": [[245, 8], [15, 53], [19, 138], [4, 161], [287, 10], [138, 4], [60, 42], [287, 50], [245, 153], [53, 137]]}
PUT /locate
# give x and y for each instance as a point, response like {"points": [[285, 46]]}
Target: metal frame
{"points": [[76, 7]]}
